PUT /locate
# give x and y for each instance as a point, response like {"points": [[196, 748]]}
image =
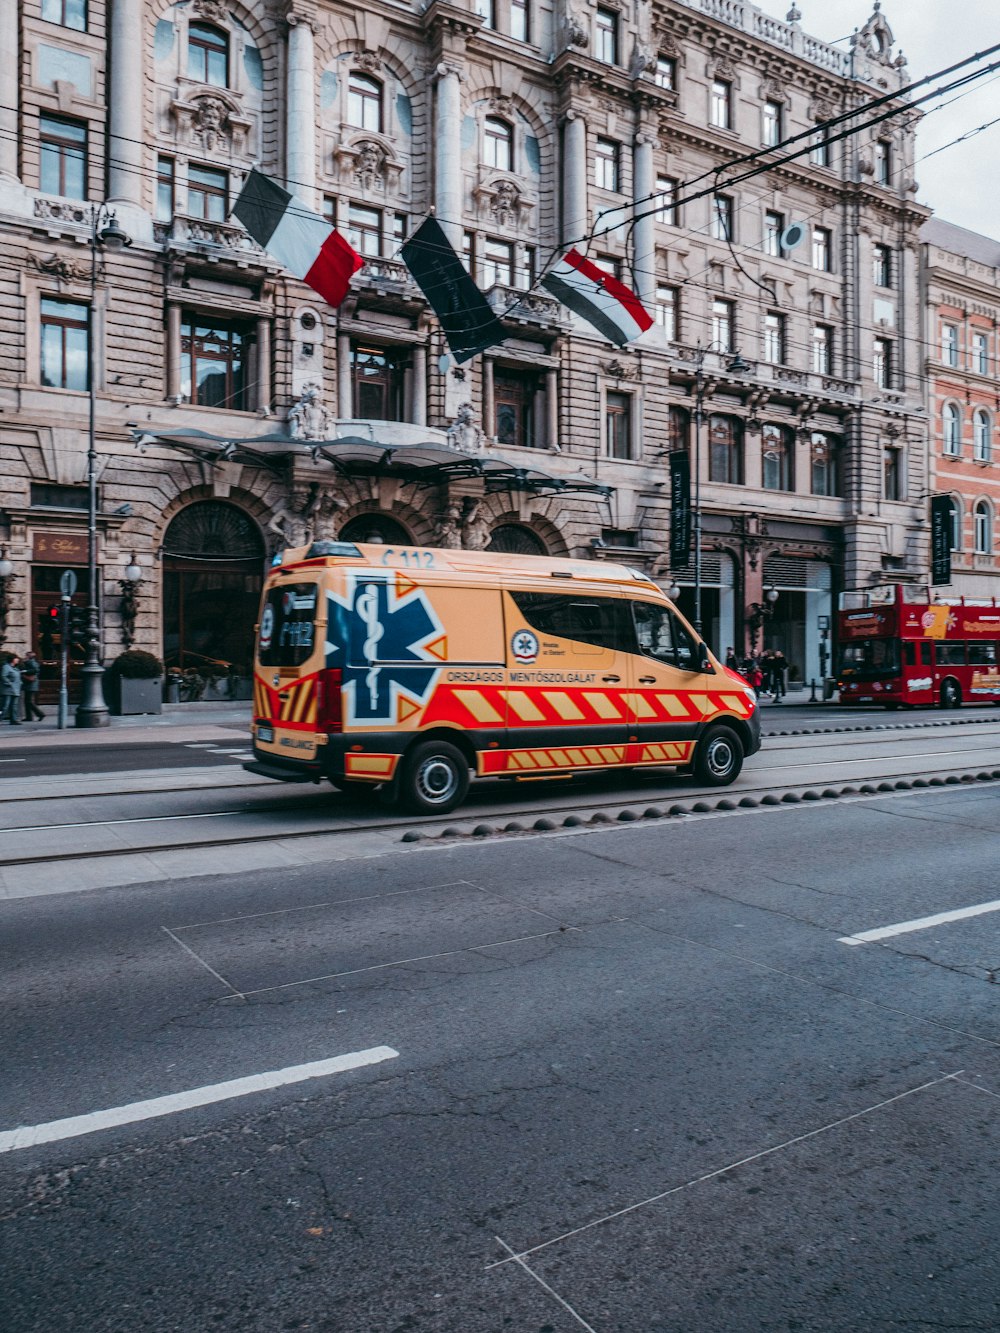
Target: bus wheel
{"points": [[951, 693], [719, 758], [435, 778]]}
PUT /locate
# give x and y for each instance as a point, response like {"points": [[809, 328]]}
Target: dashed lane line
{"points": [[921, 923]]}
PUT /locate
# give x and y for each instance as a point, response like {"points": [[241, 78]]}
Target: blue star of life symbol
{"points": [[379, 637]]}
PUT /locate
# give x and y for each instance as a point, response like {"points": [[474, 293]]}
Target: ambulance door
{"points": [[289, 657], [568, 669], [668, 696]]}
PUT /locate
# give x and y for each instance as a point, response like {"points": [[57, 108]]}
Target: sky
{"points": [[961, 184]]}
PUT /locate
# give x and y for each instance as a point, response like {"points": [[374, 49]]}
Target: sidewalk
{"points": [[195, 721]]}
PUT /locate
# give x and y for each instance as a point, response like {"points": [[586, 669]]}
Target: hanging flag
{"points": [[680, 509], [941, 533], [301, 241], [598, 297], [469, 323]]}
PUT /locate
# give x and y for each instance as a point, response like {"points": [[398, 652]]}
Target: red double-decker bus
{"points": [[897, 647]]}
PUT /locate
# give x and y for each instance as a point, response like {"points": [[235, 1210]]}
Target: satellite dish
{"points": [[793, 236]]}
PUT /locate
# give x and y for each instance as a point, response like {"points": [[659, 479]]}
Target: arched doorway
{"points": [[213, 565], [375, 528], [516, 539]]}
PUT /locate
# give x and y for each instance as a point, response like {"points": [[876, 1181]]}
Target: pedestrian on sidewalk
{"points": [[732, 661], [30, 679], [10, 689], [778, 668]]}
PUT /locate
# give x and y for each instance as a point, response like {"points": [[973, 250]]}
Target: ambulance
{"points": [[413, 669]]}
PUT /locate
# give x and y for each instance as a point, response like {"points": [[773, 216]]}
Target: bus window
{"points": [[925, 654], [982, 654], [870, 657], [909, 654], [949, 654]]}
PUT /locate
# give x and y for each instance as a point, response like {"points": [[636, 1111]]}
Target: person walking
{"points": [[732, 661], [10, 689], [30, 679], [778, 669]]}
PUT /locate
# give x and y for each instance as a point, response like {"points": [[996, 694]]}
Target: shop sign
{"points": [[59, 548]]}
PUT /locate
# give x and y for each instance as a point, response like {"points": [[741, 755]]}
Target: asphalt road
{"points": [[629, 1078]]}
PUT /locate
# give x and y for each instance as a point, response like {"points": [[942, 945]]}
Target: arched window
{"points": [[364, 102], [516, 539], [982, 443], [498, 144], [208, 55], [777, 461], [725, 450], [983, 528], [375, 528], [955, 524], [952, 420]]}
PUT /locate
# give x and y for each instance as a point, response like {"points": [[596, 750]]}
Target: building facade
{"points": [[784, 357], [961, 280]]}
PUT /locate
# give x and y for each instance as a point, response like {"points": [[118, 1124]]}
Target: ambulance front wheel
{"points": [[719, 758], [435, 778]]}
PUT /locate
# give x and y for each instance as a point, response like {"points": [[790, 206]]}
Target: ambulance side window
{"points": [[601, 622], [661, 635]]}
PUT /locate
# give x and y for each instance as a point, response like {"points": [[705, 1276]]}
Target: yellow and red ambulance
{"points": [[416, 667]]}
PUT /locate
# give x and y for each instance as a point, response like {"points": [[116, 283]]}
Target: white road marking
{"points": [[542, 1283], [921, 923], [875, 759], [28, 1136], [13, 761], [731, 1166], [136, 819]]}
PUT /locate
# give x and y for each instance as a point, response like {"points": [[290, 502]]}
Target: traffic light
{"points": [[78, 624]]}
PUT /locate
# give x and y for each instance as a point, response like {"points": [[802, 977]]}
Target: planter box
{"points": [[127, 697]]}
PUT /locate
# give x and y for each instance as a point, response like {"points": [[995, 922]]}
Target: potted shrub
{"points": [[134, 683]]}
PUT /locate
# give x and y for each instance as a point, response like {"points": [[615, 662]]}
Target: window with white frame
{"points": [[951, 421], [981, 353], [723, 324], [498, 263], [821, 249], [486, 9], [774, 338], [722, 217], [665, 73], [668, 213], [982, 436], [208, 55], [618, 424], [822, 349], [606, 36], [819, 153], [607, 163], [774, 226], [520, 26], [949, 344], [771, 123], [882, 266], [883, 162], [722, 104], [955, 524], [364, 102], [984, 528], [667, 310], [882, 364], [498, 143]]}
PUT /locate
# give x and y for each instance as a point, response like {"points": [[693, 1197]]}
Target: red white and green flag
{"points": [[598, 297], [301, 241]]}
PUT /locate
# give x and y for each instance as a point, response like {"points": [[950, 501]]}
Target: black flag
{"points": [[680, 509], [941, 539], [469, 324]]}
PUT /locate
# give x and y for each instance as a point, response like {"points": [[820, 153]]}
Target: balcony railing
{"points": [[750, 19], [199, 233]]}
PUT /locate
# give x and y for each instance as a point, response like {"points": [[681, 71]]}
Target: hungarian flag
{"points": [[467, 319], [598, 297], [299, 239]]}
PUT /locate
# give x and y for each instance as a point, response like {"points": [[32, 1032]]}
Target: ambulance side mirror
{"points": [[704, 661]]}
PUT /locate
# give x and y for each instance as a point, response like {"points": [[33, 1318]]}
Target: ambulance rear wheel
{"points": [[719, 757], [435, 778]]}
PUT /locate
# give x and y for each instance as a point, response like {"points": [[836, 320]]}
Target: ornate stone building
{"points": [[961, 276], [526, 127]]}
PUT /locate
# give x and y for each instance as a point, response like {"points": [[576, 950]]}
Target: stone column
{"points": [[574, 178], [300, 116], [345, 405], [420, 386], [552, 409], [489, 407], [263, 395], [448, 153], [173, 351], [10, 69], [125, 120], [645, 226]]}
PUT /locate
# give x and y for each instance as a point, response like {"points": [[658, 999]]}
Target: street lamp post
{"points": [[92, 711]]}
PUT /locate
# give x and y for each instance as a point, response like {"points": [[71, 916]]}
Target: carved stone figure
{"points": [[448, 529], [506, 202], [210, 120], [310, 516], [213, 10], [576, 29], [370, 169], [475, 525], [308, 418], [463, 433]]}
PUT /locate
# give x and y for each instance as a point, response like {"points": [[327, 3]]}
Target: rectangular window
{"points": [[208, 194], [514, 394], [330, 209], [821, 249], [49, 495], [498, 263], [772, 128], [63, 145], [822, 350], [611, 264], [722, 217], [882, 266], [774, 339], [825, 464], [607, 159], [486, 11], [606, 36], [164, 189], [949, 344], [666, 310], [892, 465], [469, 252], [665, 73], [377, 378], [882, 367], [883, 162], [949, 654], [981, 353], [669, 213], [519, 26], [819, 154], [722, 104], [724, 325], [498, 143], [618, 418], [214, 361], [65, 332], [67, 13], [527, 269], [774, 226], [364, 230]]}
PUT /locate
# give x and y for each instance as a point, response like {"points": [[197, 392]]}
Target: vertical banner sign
{"points": [[680, 509], [941, 539]]}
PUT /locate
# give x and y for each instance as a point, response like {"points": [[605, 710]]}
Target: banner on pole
{"points": [[941, 539], [680, 509]]}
